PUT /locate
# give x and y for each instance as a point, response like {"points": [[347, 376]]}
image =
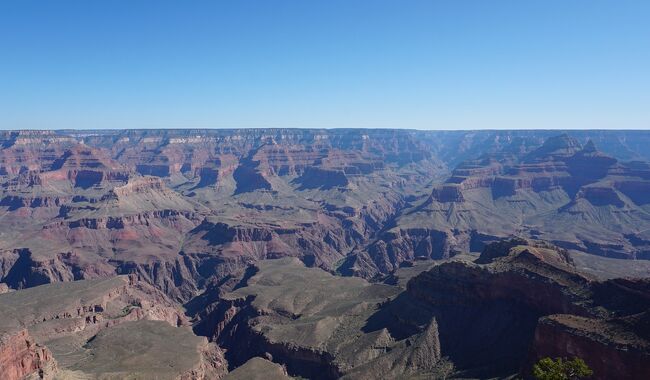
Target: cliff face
{"points": [[49, 329], [573, 195], [184, 209], [188, 211], [316, 325], [20, 357], [519, 301], [607, 348], [188, 208], [525, 301], [495, 316], [486, 313]]}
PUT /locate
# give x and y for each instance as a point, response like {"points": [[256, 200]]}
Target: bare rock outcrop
{"points": [[21, 357], [611, 348], [560, 191], [99, 318], [320, 330], [524, 300]]}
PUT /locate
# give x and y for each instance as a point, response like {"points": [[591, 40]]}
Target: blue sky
{"points": [[454, 64]]}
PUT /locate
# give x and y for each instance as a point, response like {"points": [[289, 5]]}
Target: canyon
{"points": [[339, 253]]}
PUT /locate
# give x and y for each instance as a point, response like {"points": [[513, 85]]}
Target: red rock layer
{"points": [[20, 356]]}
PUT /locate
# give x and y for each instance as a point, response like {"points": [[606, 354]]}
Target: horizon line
{"points": [[319, 128]]}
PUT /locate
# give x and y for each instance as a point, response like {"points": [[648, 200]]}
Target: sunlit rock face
{"points": [[186, 208], [192, 216]]}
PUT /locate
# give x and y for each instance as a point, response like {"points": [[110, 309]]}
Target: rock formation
{"points": [[191, 213], [21, 357], [50, 331], [519, 301], [574, 196], [314, 324]]}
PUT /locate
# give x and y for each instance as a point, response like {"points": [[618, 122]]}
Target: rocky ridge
{"points": [[191, 212], [492, 316], [51, 331], [572, 195]]}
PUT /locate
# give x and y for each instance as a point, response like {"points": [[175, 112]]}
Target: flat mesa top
{"points": [[141, 349], [26, 306]]}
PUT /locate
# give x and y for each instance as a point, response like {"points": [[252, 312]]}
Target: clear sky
{"points": [[455, 64]]}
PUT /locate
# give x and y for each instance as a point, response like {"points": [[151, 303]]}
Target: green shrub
{"points": [[558, 369]]}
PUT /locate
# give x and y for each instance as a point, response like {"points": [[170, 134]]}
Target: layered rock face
{"points": [[50, 331], [190, 213], [489, 317], [563, 192], [21, 357], [315, 325], [187, 208], [553, 311], [610, 350]]}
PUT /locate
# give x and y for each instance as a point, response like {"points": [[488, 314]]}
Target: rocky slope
{"points": [[189, 213], [188, 208], [494, 317], [314, 324], [83, 328], [185, 209], [21, 357], [258, 369], [522, 301], [572, 195]]}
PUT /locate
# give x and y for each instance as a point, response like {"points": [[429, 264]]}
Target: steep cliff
{"points": [[562, 191], [523, 300], [21, 357], [83, 327], [315, 325], [485, 317]]}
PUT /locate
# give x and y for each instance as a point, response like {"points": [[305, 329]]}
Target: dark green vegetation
{"points": [[558, 369], [378, 234]]}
